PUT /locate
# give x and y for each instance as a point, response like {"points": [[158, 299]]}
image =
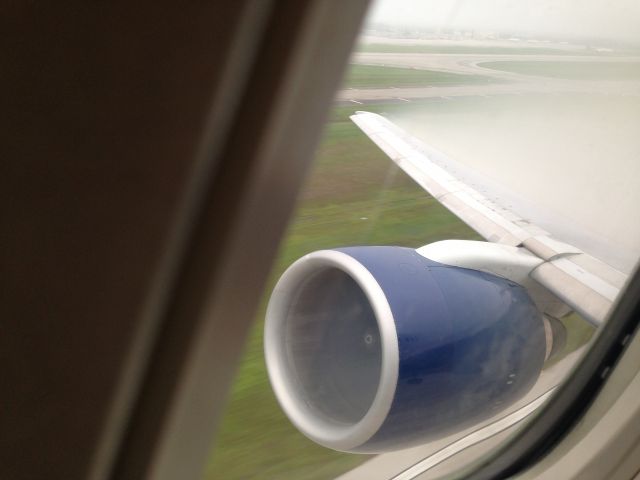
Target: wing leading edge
{"points": [[585, 283]]}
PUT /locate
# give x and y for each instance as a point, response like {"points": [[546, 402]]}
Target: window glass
{"points": [[533, 105]]}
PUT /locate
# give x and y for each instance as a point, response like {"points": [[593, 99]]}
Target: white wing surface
{"points": [[585, 283]]}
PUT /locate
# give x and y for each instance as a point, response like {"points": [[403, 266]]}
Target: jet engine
{"points": [[372, 349]]}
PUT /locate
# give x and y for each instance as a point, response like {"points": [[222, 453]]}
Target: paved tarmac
{"points": [[509, 83]]}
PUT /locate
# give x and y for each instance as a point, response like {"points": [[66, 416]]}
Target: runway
{"points": [[470, 64], [498, 82]]}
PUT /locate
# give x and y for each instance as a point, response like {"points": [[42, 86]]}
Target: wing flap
{"points": [[583, 299]]}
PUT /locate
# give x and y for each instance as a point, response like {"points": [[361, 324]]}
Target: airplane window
{"points": [[469, 222]]}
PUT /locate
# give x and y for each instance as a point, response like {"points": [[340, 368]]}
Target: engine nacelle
{"points": [[372, 349]]}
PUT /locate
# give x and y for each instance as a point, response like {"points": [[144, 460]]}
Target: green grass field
{"points": [[571, 70], [355, 195], [373, 76]]}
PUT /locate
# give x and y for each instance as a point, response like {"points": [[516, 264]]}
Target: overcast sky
{"points": [[613, 19]]}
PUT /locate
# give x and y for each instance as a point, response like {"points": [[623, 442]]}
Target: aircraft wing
{"points": [[585, 283]]}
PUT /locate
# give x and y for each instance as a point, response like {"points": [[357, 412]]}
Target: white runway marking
{"points": [[355, 101], [403, 99]]}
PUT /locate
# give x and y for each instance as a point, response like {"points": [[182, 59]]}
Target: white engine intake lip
{"points": [[333, 434]]}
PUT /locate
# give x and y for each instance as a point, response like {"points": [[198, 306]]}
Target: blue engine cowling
{"points": [[372, 349]]}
